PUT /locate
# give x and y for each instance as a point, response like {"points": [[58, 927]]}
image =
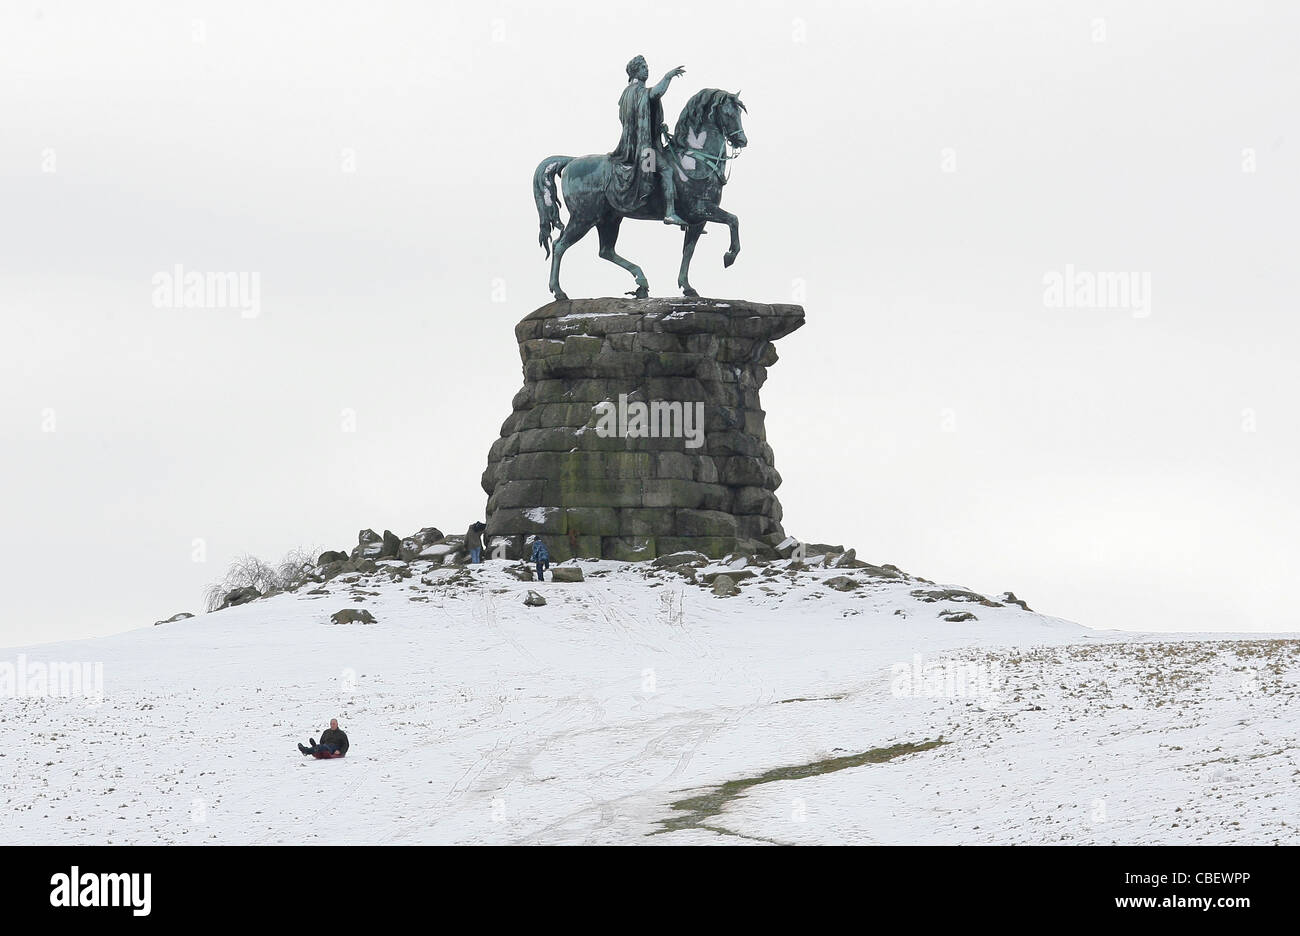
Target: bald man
{"points": [[333, 742]]}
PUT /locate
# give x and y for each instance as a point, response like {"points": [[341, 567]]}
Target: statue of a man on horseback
{"points": [[640, 157], [679, 182]]}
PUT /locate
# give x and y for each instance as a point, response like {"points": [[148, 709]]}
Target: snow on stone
{"points": [[586, 315]]}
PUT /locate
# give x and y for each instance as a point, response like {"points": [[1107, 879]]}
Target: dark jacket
{"points": [[540, 552], [474, 538], [334, 737]]}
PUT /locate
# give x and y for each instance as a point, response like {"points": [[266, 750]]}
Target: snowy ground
{"points": [[475, 719]]}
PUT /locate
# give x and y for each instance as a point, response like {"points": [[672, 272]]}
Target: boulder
{"points": [[785, 549], [174, 618], [534, 600], [390, 546], [957, 617], [736, 575], [842, 583], [846, 560], [438, 552], [239, 596], [329, 556], [724, 586], [352, 616], [566, 574], [411, 546], [952, 594], [1010, 598], [330, 569], [369, 543]]}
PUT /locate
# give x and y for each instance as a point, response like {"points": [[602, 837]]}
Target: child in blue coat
{"points": [[541, 556]]}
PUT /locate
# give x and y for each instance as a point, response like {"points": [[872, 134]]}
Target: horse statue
{"points": [[707, 136]]}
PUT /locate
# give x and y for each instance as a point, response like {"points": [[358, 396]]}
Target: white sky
{"points": [[1098, 462]]}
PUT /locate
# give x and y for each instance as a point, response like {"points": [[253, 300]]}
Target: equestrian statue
{"points": [[652, 175]]}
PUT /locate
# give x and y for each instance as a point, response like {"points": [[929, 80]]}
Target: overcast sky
{"points": [[917, 175]]}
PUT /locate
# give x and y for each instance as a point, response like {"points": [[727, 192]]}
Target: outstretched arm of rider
{"points": [[659, 89]]}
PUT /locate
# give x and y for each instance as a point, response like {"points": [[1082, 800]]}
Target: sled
{"points": [[327, 756]]}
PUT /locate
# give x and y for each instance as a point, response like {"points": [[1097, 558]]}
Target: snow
{"points": [[538, 514], [475, 719]]}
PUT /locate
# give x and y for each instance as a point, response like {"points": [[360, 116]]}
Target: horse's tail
{"points": [[547, 199]]}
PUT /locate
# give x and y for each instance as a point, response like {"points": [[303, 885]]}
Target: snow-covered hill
{"points": [[638, 707]]}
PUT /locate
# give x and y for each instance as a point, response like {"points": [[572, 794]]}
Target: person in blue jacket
{"points": [[541, 556]]}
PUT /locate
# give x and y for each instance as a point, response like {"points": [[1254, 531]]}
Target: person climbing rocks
{"points": [[542, 556], [474, 541], [333, 742]]}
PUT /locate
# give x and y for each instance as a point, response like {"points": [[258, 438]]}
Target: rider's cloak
{"points": [[639, 149]]}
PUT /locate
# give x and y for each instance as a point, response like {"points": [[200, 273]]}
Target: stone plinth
{"points": [[604, 456]]}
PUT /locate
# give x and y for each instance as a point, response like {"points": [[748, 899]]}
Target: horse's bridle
{"points": [[716, 164]]}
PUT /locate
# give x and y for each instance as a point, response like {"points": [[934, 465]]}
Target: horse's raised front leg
{"points": [[715, 213], [693, 233], [608, 231], [574, 231]]}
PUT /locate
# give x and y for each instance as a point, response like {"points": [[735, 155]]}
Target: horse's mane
{"points": [[699, 110]]}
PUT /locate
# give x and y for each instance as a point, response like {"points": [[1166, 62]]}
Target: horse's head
{"points": [[713, 114], [729, 112]]}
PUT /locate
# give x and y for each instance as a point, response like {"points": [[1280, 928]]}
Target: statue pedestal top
{"points": [[734, 318]]}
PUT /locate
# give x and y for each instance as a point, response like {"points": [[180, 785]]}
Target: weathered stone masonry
{"points": [[551, 472]]}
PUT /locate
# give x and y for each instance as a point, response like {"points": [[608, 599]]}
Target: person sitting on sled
{"points": [[333, 742]]}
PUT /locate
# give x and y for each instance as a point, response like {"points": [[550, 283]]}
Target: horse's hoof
{"points": [[642, 292], [689, 292], [728, 258], [560, 296]]}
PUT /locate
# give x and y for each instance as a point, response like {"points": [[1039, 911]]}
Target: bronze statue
{"points": [[679, 181]]}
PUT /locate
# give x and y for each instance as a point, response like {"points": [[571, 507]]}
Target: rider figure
{"points": [[641, 148]]}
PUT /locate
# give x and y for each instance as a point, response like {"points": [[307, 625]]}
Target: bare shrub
{"points": [[248, 571], [296, 567]]}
